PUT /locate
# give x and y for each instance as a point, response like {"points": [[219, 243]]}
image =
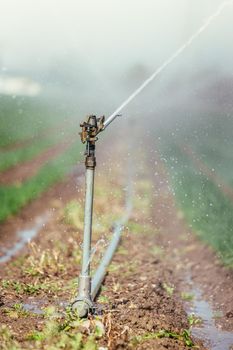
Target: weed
{"points": [[114, 267], [7, 340], [116, 287], [168, 288], [122, 251], [187, 296], [31, 288], [6, 284], [71, 333], [193, 320], [103, 299], [184, 336], [16, 311], [43, 263]]}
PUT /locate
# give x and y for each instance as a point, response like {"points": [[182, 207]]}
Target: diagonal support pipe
{"points": [[112, 247]]}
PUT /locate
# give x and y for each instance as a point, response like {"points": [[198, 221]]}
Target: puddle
{"points": [[24, 236], [38, 306], [33, 308], [213, 337]]}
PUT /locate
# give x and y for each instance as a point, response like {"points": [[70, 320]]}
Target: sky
{"points": [[111, 35]]}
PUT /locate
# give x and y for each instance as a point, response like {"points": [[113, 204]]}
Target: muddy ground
{"points": [[145, 298]]}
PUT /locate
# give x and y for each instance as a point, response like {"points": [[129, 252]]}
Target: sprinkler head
{"points": [[91, 128]]}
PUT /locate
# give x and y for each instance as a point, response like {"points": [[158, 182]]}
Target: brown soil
{"points": [[136, 286]]}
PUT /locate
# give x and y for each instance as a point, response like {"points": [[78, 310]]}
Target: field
{"points": [[178, 239], [200, 168], [25, 137]]}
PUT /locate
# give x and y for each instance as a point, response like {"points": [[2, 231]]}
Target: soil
{"points": [[50, 202], [193, 257], [142, 290]]}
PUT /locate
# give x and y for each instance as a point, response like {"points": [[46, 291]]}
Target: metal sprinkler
{"points": [[90, 129]]}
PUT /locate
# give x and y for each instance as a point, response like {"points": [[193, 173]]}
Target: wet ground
{"points": [[161, 275], [214, 337]]}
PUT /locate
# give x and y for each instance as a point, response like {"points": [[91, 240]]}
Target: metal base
{"points": [[83, 304], [82, 307]]}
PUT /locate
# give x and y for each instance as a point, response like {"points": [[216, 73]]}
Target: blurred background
{"points": [[90, 54], [62, 60]]}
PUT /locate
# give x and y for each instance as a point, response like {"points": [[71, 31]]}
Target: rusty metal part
{"points": [[90, 128], [90, 162]]}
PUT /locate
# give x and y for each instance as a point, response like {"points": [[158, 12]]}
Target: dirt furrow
{"points": [[190, 257]]}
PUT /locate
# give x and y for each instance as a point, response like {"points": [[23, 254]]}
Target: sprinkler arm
{"points": [[110, 120]]}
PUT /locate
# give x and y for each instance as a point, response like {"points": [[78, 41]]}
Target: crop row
{"points": [[14, 197], [12, 158], [24, 118], [206, 207]]}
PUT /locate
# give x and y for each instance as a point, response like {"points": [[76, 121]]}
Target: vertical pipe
{"points": [[83, 303], [88, 222]]}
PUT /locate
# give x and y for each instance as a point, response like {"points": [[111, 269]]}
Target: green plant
{"points": [[43, 263], [103, 299], [69, 333], [74, 214], [206, 208], [193, 320], [7, 340], [24, 119], [14, 197], [168, 288], [32, 288], [185, 337], [187, 296]]}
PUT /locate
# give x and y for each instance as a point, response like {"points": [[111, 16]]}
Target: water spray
{"points": [[183, 47], [90, 129]]}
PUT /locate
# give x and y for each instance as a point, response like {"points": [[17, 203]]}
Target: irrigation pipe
{"points": [[108, 255], [88, 286]]}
